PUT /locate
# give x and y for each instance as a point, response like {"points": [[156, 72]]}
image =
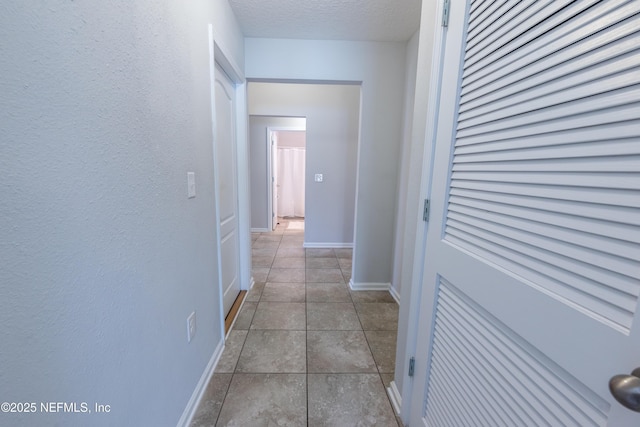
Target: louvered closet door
{"points": [[532, 266]]}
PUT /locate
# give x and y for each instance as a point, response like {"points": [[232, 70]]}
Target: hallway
{"points": [[304, 350]]}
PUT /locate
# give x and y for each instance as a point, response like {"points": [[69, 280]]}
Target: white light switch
{"points": [[191, 184], [318, 177], [191, 326]]}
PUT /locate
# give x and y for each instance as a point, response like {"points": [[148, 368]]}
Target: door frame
{"points": [[433, 39], [233, 71], [271, 173]]}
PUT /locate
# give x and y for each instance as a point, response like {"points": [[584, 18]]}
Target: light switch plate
{"points": [[191, 185], [191, 326], [319, 177]]}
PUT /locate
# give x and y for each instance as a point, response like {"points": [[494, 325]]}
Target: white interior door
{"points": [[532, 266], [274, 179], [226, 151]]}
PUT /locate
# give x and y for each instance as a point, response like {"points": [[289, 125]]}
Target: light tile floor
{"points": [[304, 350]]}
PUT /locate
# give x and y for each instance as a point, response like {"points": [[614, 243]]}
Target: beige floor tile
{"points": [[265, 400], [327, 316], [344, 253], [211, 402], [327, 292], [346, 275], [263, 252], [286, 275], [313, 262], [320, 253], [283, 292], [243, 321], [232, 348], [290, 253], [280, 262], [266, 237], [372, 296], [264, 244], [348, 400], [378, 316], [280, 315], [345, 263], [383, 348], [324, 275], [260, 274], [339, 352], [386, 379], [255, 292], [272, 351], [262, 261], [292, 241]]}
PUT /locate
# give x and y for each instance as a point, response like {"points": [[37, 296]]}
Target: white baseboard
{"points": [[260, 230], [197, 394], [327, 245], [394, 293], [394, 397], [368, 286]]}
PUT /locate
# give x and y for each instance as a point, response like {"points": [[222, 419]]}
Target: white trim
{"points": [[270, 173], [432, 36], [216, 178], [196, 396], [327, 245], [394, 397], [369, 286], [259, 230], [394, 293]]}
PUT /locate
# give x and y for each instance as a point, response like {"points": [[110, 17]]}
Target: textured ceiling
{"points": [[375, 20]]}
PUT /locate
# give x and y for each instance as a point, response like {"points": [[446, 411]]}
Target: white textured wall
{"points": [[403, 176], [105, 106], [332, 113], [258, 169], [380, 67]]}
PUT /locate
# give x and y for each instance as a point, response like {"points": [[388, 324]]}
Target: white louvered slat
{"points": [[596, 122], [580, 210], [494, 10], [578, 179], [547, 150], [538, 382], [499, 35], [537, 113], [620, 236], [612, 59], [618, 290], [562, 94], [548, 139], [483, 374], [606, 197], [541, 50], [622, 148], [605, 163]]}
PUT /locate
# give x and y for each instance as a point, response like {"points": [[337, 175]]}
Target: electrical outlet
{"points": [[191, 326]]}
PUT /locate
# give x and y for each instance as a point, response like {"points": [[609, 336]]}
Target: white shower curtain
{"points": [[291, 182]]}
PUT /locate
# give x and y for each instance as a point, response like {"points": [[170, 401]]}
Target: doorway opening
{"points": [[288, 166]]}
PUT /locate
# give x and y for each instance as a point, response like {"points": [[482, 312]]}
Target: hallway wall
{"points": [[380, 68], [105, 107], [258, 170]]}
